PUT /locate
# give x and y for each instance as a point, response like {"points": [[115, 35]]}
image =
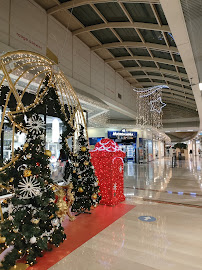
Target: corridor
{"points": [[173, 197]]}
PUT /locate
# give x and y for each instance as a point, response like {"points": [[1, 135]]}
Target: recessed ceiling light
{"points": [[200, 86]]}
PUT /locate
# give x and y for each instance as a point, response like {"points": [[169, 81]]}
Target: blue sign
{"points": [[122, 133], [147, 218], [94, 140]]}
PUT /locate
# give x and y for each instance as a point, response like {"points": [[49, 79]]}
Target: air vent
{"points": [[119, 96]]}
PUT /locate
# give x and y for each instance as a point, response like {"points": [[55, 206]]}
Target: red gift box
{"points": [[107, 158]]}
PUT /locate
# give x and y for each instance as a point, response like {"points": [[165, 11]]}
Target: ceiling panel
{"points": [[128, 26], [112, 12], [141, 12], [86, 15]]}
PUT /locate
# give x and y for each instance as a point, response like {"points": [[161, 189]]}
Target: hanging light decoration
{"points": [[150, 105]]}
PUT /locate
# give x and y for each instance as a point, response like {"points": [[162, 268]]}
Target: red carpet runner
{"points": [[81, 230]]}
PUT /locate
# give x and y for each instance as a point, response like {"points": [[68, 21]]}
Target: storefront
{"points": [[150, 150], [53, 131], [145, 150], [127, 140], [140, 145], [158, 149]]}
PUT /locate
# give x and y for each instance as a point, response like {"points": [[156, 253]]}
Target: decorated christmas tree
{"points": [[30, 224], [86, 184]]}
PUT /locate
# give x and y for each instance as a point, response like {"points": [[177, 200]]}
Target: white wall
{"points": [[59, 41], [25, 25], [97, 73], [28, 26]]}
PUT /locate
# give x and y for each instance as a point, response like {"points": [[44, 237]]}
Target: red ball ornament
{"points": [[37, 164]]}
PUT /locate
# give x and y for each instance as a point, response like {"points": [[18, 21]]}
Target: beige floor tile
{"points": [[172, 242]]}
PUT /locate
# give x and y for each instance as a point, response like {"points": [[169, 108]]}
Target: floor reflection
{"points": [[158, 180]]}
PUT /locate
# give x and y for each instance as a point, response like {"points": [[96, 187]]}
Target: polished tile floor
{"points": [[173, 242]]}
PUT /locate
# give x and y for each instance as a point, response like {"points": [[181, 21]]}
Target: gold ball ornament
{"points": [[86, 163], [25, 145], [76, 164], [94, 196], [28, 156], [80, 190], [35, 220], [83, 149], [79, 176], [27, 173], [53, 188], [15, 230], [2, 240], [48, 153], [11, 180], [74, 171]]}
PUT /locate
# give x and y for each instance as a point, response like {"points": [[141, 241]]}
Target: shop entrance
{"points": [[127, 141]]}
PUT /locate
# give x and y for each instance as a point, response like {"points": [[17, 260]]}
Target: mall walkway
{"points": [[173, 242]]}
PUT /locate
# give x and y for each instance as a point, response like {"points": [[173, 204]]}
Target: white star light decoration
{"points": [[29, 187], [157, 105]]}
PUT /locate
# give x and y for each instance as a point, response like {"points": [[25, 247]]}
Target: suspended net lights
{"points": [[145, 92], [22, 76], [150, 105]]}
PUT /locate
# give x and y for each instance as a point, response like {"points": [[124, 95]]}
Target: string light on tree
{"points": [[85, 184], [30, 203], [29, 70]]}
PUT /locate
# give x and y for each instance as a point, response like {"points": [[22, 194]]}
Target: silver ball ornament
{"points": [[32, 240], [55, 222]]}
